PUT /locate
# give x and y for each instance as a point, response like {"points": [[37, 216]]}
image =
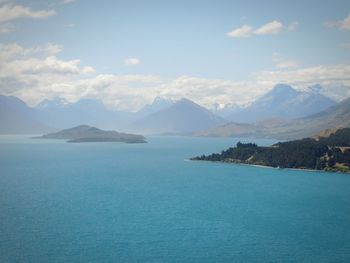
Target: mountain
{"points": [[85, 133], [336, 92], [17, 118], [54, 103], [184, 116], [231, 129], [334, 117], [158, 104], [225, 111], [326, 133], [283, 102], [59, 113]]}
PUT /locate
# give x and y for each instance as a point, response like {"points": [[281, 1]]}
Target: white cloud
{"points": [[271, 28], [10, 12], [88, 70], [345, 24], [324, 74], [52, 49], [283, 63], [243, 31], [49, 65], [208, 92], [132, 61], [125, 92], [341, 24], [287, 63], [34, 67], [37, 73], [14, 50]]}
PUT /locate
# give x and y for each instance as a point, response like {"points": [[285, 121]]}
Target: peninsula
{"points": [[85, 133], [329, 151]]}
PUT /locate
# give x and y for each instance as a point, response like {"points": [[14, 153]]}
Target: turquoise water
{"points": [[110, 202]]}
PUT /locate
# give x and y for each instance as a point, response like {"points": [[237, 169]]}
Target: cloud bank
{"points": [[36, 73]]}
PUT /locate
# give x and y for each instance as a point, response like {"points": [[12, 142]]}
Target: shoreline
{"points": [[271, 167]]}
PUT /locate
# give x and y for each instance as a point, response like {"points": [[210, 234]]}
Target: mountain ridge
{"points": [[336, 116], [184, 116], [16, 117], [282, 101]]}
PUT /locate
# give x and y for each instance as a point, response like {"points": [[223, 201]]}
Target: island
{"points": [[329, 151], [85, 133]]}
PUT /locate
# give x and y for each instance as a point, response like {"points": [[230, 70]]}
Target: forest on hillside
{"points": [[330, 153]]}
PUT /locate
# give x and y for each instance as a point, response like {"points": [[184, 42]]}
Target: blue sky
{"points": [[174, 40]]}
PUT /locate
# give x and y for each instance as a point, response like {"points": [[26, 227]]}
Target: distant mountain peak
{"points": [[317, 88], [158, 103], [160, 99], [282, 89], [55, 102], [185, 101], [283, 86], [183, 116], [285, 102], [83, 126], [12, 100], [189, 104], [16, 117]]}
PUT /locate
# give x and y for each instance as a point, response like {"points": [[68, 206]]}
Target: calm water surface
{"points": [[111, 202]]}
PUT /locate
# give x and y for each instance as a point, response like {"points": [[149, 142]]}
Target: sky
{"points": [[126, 53]]}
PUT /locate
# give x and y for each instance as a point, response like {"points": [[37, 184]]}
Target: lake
{"points": [[113, 202]]}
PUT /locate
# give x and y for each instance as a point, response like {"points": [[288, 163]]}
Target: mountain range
{"points": [[282, 112], [58, 113], [336, 116], [282, 102]]}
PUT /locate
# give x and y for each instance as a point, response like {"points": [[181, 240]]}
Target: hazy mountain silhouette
{"points": [[158, 104], [226, 111], [334, 117], [60, 114], [283, 102], [184, 116], [54, 103], [17, 118]]}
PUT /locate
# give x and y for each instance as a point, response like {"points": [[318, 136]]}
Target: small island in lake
{"points": [[85, 133], [329, 151]]}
